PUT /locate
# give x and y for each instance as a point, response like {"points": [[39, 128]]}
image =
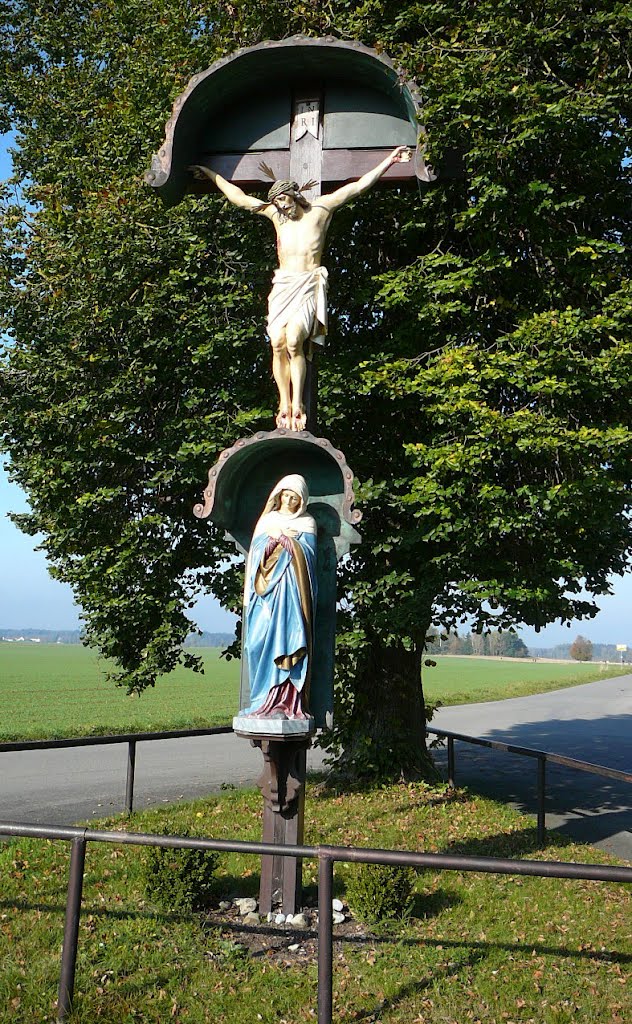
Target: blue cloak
{"points": [[278, 641]]}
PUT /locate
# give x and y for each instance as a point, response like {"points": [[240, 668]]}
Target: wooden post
{"points": [[282, 782], [306, 164], [282, 785]]}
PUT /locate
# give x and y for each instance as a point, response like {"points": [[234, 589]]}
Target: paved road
{"points": [[591, 722], [64, 786]]}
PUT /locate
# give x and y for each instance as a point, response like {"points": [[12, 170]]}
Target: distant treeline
{"points": [[73, 636], [44, 636], [209, 639], [600, 652], [494, 644], [510, 645]]}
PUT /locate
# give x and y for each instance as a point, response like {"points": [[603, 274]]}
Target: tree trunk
{"points": [[383, 735]]}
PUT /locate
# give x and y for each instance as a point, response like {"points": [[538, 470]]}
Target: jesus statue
{"points": [[297, 304]]}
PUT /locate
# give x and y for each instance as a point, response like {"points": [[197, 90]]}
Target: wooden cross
{"points": [[322, 110]]}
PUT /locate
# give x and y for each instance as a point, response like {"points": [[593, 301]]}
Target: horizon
{"points": [[30, 594], [230, 632]]}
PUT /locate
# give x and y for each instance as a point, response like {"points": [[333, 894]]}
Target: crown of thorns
{"points": [[283, 187]]}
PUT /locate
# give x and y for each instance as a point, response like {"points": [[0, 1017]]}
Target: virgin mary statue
{"points": [[280, 596]]}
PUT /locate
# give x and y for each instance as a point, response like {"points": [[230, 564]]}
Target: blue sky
{"points": [[29, 598]]}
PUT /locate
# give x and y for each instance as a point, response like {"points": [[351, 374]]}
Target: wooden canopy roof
{"points": [[243, 110]]}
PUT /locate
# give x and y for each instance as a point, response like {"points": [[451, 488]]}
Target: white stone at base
{"points": [[274, 726]]}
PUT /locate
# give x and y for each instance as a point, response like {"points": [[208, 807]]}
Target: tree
{"points": [[581, 649], [514, 646], [507, 644], [478, 367], [480, 644], [456, 644]]}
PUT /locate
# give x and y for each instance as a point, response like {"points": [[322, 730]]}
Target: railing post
{"points": [[325, 938], [71, 929], [451, 770], [131, 768], [541, 800]]}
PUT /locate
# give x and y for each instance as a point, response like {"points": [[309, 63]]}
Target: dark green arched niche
{"points": [[240, 112], [239, 485]]}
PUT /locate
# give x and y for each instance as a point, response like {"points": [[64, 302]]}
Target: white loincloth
{"points": [[299, 296]]}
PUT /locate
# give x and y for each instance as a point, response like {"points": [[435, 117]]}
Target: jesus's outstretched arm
{"points": [[233, 193], [355, 188]]}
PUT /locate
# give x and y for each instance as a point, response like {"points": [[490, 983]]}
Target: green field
{"points": [[54, 690], [472, 680], [59, 690]]}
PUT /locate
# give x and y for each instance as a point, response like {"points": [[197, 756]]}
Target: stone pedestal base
{"points": [[273, 728]]}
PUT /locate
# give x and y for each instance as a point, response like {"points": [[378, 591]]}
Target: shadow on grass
{"points": [[512, 845], [428, 905], [435, 796], [111, 998], [337, 781], [476, 953], [95, 911], [414, 988], [393, 937], [369, 938]]}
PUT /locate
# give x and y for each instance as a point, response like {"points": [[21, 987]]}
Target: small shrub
{"points": [[178, 880], [381, 892]]}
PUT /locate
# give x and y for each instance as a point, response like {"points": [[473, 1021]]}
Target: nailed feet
{"points": [[292, 419], [284, 418], [299, 419]]}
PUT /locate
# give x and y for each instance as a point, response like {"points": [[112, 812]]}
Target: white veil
{"points": [[300, 520]]}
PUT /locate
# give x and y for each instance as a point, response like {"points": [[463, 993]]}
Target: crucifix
{"points": [[326, 119], [301, 215], [321, 116]]}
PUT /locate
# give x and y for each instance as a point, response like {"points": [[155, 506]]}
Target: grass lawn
{"points": [[480, 948], [57, 690]]}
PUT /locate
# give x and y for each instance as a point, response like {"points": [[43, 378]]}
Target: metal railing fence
{"points": [[541, 756], [132, 739], [327, 856]]}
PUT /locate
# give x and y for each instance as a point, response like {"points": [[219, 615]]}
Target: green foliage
{"points": [[178, 880], [381, 892], [478, 366]]}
